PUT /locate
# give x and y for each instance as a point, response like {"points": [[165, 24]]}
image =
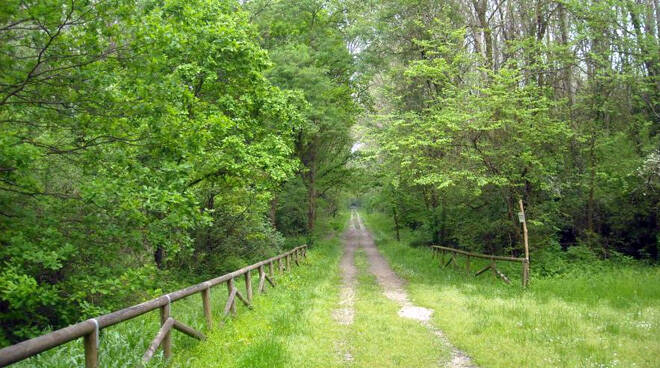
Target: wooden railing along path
{"points": [[492, 266], [440, 252], [89, 329]]}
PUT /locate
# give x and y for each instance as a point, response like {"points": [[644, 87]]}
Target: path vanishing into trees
{"points": [[346, 307], [357, 237]]}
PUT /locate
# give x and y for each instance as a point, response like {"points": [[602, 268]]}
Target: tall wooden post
{"points": [[525, 274], [206, 303], [167, 340]]}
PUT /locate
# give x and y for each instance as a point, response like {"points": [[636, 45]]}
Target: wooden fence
{"points": [[492, 266], [89, 329], [440, 252]]}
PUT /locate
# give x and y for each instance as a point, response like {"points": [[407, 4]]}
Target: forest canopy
{"points": [[477, 104]]}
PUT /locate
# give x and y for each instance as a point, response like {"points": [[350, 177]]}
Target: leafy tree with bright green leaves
{"points": [[310, 55], [134, 135]]}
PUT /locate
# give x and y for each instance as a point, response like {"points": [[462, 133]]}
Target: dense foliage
{"points": [[479, 103], [142, 144], [307, 44]]}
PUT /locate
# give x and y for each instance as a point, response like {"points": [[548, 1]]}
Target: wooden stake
{"points": [[248, 286], [180, 326], [483, 270], [91, 343], [230, 302], [525, 280], [230, 291], [262, 279], [159, 340], [206, 303], [167, 337]]}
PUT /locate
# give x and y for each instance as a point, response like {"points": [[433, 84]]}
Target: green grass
{"points": [[601, 318], [290, 326], [607, 317], [289, 323], [380, 338]]}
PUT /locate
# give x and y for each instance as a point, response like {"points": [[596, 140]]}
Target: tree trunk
{"points": [[396, 223], [273, 212], [158, 257], [434, 216], [480, 7], [311, 199], [443, 222], [568, 69]]}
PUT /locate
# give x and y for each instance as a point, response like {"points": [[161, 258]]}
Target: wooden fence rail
{"points": [[89, 329], [440, 252]]}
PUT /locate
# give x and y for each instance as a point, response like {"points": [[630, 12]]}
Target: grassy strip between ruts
{"points": [[380, 338], [609, 318]]}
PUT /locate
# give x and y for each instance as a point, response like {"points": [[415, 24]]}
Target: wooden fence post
{"points": [[248, 286], [271, 272], [525, 280], [230, 288], [167, 340], [91, 342], [525, 272], [262, 279], [206, 303], [288, 262]]}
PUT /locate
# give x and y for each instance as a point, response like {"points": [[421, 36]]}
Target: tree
{"points": [[310, 55]]}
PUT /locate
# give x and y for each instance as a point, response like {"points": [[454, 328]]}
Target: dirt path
{"points": [[393, 286], [345, 313]]}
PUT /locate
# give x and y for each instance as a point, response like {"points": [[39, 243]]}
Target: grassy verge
{"points": [[604, 318], [299, 299], [289, 326]]}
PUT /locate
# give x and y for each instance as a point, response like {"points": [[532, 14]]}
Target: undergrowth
{"points": [[122, 345]]}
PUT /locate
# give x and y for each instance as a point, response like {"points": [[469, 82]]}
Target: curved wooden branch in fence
{"points": [[89, 329], [439, 251]]}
